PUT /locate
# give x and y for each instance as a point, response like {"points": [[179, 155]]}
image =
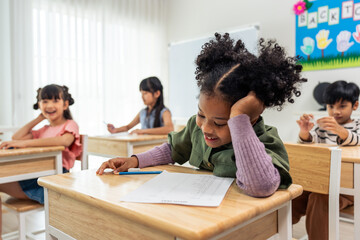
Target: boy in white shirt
{"points": [[338, 128]]}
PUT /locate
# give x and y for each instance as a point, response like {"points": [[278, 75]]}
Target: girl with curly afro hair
{"points": [[228, 136]]}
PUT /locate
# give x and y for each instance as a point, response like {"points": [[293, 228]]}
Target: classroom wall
{"points": [[5, 72], [189, 19]]}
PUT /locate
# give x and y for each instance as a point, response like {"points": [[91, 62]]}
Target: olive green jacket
{"points": [[189, 145]]}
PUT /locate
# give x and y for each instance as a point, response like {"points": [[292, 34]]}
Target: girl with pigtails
{"points": [[228, 135], [53, 101]]}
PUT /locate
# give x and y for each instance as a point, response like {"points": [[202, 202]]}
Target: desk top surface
{"points": [[129, 137], [26, 151], [188, 222], [348, 153]]}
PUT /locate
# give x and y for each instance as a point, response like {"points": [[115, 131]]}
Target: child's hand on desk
{"points": [[119, 164], [13, 144], [137, 131], [249, 105]]}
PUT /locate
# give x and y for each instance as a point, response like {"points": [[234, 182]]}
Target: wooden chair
{"points": [[83, 156], [318, 169], [23, 208]]}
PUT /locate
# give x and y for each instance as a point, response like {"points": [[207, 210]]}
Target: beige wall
{"points": [[5, 80], [189, 19]]}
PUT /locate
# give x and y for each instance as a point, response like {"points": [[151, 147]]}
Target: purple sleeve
{"points": [[256, 175], [159, 155]]}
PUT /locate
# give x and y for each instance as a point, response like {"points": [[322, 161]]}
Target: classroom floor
{"points": [[346, 230]]}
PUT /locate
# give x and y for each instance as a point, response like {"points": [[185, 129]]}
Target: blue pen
{"points": [[143, 172]]}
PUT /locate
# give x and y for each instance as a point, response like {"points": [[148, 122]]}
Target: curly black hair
{"points": [[54, 91], [232, 71]]}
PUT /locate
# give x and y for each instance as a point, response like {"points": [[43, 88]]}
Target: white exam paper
{"points": [[182, 188]]}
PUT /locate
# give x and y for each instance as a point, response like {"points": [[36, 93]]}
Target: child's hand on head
{"points": [[119, 164], [249, 105], [306, 122]]}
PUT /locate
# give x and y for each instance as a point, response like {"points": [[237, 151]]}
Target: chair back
{"points": [[83, 157], [317, 168]]}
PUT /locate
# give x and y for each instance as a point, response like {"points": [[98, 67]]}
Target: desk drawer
{"points": [[107, 147], [19, 167], [81, 220]]}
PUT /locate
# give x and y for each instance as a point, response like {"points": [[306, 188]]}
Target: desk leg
{"points": [[357, 201], [46, 206], [285, 222], [85, 162], [130, 149], [58, 163]]}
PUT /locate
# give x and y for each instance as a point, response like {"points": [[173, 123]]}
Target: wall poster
{"points": [[328, 33]]}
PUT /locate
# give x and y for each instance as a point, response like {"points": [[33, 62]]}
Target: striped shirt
{"points": [[322, 136]]}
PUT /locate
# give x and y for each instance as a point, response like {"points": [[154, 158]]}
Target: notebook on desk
{"points": [[182, 188]]}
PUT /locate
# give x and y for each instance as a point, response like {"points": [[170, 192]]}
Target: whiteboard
{"points": [[183, 90]]}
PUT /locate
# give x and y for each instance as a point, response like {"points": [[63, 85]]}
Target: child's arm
{"points": [[65, 140], [159, 155], [125, 128], [345, 136], [168, 126], [25, 132], [118, 164], [249, 105], [256, 174], [305, 125]]}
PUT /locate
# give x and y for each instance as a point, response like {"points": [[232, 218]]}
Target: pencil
{"points": [[143, 172]]}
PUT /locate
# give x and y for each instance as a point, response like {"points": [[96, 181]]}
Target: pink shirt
{"points": [[71, 152]]}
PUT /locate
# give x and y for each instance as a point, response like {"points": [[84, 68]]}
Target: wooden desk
{"points": [[28, 163], [350, 181], [83, 205], [123, 145]]}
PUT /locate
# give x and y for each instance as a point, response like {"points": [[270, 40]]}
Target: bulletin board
{"points": [[328, 35], [183, 90]]}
